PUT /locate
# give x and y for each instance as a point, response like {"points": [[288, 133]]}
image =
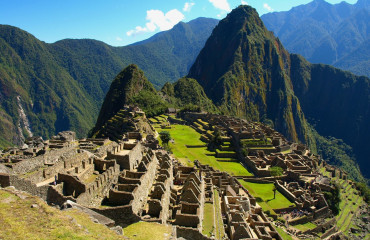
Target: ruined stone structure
{"points": [[131, 179]]}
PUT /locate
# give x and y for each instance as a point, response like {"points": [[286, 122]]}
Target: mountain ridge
{"points": [[253, 76], [324, 32], [40, 73]]}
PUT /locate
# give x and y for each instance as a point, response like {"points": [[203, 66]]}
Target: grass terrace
{"points": [[148, 231], [284, 234], [349, 205], [185, 135], [305, 226], [219, 232], [266, 193], [21, 221], [208, 220]]}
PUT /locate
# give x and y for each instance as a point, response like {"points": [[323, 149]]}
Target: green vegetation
{"points": [[276, 171], [148, 231], [282, 88], [364, 190], [21, 221], [305, 226], [151, 103], [208, 220], [62, 85], [326, 37], [219, 232], [188, 95], [165, 137], [333, 199], [216, 140], [265, 192], [283, 234], [338, 153], [254, 142], [127, 85], [185, 135], [350, 202]]}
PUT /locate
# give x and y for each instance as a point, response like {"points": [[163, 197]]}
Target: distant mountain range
{"points": [[336, 34], [47, 88]]}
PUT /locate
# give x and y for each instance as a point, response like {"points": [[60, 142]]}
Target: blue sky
{"points": [[120, 22]]}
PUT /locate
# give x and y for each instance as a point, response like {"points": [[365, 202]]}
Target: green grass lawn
{"points": [[147, 231], [283, 234], [185, 135], [219, 231], [265, 192], [305, 226], [208, 220], [18, 220]]}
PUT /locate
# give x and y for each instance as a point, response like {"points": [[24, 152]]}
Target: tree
{"points": [[276, 171], [274, 189], [333, 199], [165, 137], [216, 140]]}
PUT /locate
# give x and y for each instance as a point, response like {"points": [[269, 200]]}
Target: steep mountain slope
{"points": [[129, 87], [336, 102], [246, 71], [357, 61], [51, 79], [36, 91], [187, 91], [127, 84], [324, 33]]}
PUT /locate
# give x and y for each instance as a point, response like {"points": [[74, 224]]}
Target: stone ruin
{"points": [[132, 179]]}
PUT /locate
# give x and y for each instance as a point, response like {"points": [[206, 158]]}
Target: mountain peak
{"points": [[128, 83]]}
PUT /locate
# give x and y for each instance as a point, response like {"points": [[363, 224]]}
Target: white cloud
{"points": [[157, 19], [244, 2], [266, 6], [119, 39], [221, 4], [188, 6]]}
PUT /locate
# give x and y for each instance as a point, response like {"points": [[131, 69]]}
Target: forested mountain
{"points": [[247, 72], [47, 88], [326, 33]]}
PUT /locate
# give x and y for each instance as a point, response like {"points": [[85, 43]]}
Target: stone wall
{"points": [[190, 233], [141, 193], [100, 187], [72, 186], [122, 215], [283, 190], [28, 186], [130, 160], [4, 180], [51, 156]]}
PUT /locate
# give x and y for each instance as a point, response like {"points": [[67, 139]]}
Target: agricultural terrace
{"points": [[184, 135], [148, 231], [349, 206], [265, 192], [212, 221]]}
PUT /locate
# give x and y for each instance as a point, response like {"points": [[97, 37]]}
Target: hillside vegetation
{"points": [[251, 75], [61, 86]]}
